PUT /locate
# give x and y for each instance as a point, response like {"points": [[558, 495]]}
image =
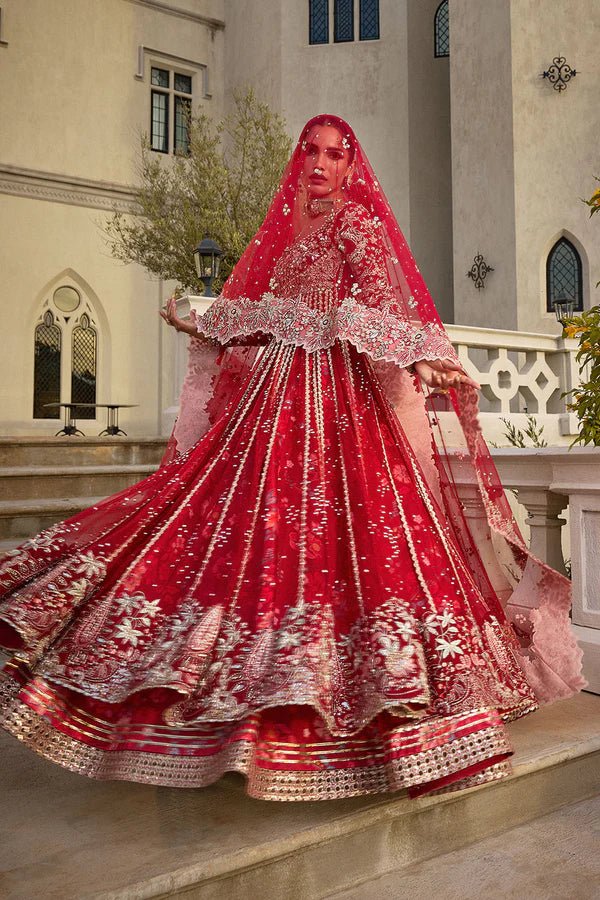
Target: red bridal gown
{"points": [[286, 598]]}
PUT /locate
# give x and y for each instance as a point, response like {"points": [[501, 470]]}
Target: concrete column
{"points": [[543, 511], [584, 511]]}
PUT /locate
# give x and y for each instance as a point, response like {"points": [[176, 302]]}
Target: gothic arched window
{"points": [[564, 275], [369, 20], [65, 354], [46, 368], [318, 22], [441, 29]]}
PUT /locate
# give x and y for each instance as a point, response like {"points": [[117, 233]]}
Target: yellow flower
{"points": [[572, 330]]}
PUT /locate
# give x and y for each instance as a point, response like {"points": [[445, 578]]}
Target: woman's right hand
{"points": [[171, 318], [443, 374]]}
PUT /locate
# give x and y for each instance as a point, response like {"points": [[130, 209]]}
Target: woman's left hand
{"points": [[443, 374]]}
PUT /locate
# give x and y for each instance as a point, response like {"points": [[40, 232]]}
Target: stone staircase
{"points": [[63, 837], [45, 480]]}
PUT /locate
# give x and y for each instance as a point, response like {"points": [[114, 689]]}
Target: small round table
{"points": [[112, 417]]}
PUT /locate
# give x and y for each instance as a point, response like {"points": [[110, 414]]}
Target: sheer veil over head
{"points": [[286, 217], [442, 430]]}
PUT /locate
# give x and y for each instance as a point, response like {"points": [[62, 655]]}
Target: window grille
{"points": [[442, 30], [343, 20], [564, 275], [46, 368], [183, 111], [369, 20], [171, 108], [83, 366], [65, 364], [160, 122], [318, 27]]}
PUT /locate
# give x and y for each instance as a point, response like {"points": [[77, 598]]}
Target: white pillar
{"points": [[543, 511]]}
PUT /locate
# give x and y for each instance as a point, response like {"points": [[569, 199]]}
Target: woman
{"points": [[297, 594]]}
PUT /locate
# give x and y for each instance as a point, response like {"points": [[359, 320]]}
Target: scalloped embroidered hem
{"points": [[379, 332], [444, 753]]}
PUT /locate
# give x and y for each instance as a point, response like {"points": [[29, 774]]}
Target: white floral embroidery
{"points": [[448, 648], [128, 633]]}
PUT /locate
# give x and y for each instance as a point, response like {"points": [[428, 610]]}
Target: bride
{"points": [[299, 593]]}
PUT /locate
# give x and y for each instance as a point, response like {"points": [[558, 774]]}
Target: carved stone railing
{"points": [[520, 373]]}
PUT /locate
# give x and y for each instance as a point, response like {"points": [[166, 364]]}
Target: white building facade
{"points": [[479, 154]]}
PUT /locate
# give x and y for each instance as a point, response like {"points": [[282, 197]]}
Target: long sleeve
{"points": [[375, 318]]}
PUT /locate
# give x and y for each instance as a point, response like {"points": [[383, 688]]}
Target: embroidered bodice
{"points": [[332, 284]]}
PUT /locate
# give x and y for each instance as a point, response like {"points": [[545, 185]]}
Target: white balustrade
{"points": [[520, 373]]}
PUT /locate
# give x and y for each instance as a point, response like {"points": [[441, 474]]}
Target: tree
{"points": [[223, 188], [585, 327]]}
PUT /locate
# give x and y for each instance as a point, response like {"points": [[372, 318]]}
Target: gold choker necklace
{"points": [[318, 207]]}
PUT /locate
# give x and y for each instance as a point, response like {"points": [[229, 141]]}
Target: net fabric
{"points": [[386, 311]]}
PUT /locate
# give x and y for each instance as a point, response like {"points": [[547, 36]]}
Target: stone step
{"points": [[62, 836], [51, 482], [20, 519], [9, 544], [60, 451], [555, 856]]}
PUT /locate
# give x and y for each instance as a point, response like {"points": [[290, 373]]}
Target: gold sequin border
{"points": [[268, 765]]}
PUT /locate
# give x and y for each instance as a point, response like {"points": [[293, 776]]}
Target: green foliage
{"points": [[517, 438], [594, 201], [223, 188], [585, 401], [594, 205]]}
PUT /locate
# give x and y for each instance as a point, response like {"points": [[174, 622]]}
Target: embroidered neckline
{"points": [[302, 238]]}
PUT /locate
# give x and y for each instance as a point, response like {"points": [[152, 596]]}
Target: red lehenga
{"points": [[297, 595]]}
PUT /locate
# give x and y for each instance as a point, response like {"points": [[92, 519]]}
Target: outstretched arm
{"points": [[376, 318]]}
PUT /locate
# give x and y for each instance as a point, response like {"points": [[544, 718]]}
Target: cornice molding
{"points": [[158, 6], [39, 185]]}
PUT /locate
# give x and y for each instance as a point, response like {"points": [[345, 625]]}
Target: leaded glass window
{"points": [[564, 275], [442, 30], [369, 20], [83, 366], [183, 110], [46, 368], [160, 77], [318, 22], [183, 83], [343, 20], [159, 131], [171, 107]]}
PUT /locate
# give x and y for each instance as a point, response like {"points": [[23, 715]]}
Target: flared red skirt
{"points": [[286, 599]]}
